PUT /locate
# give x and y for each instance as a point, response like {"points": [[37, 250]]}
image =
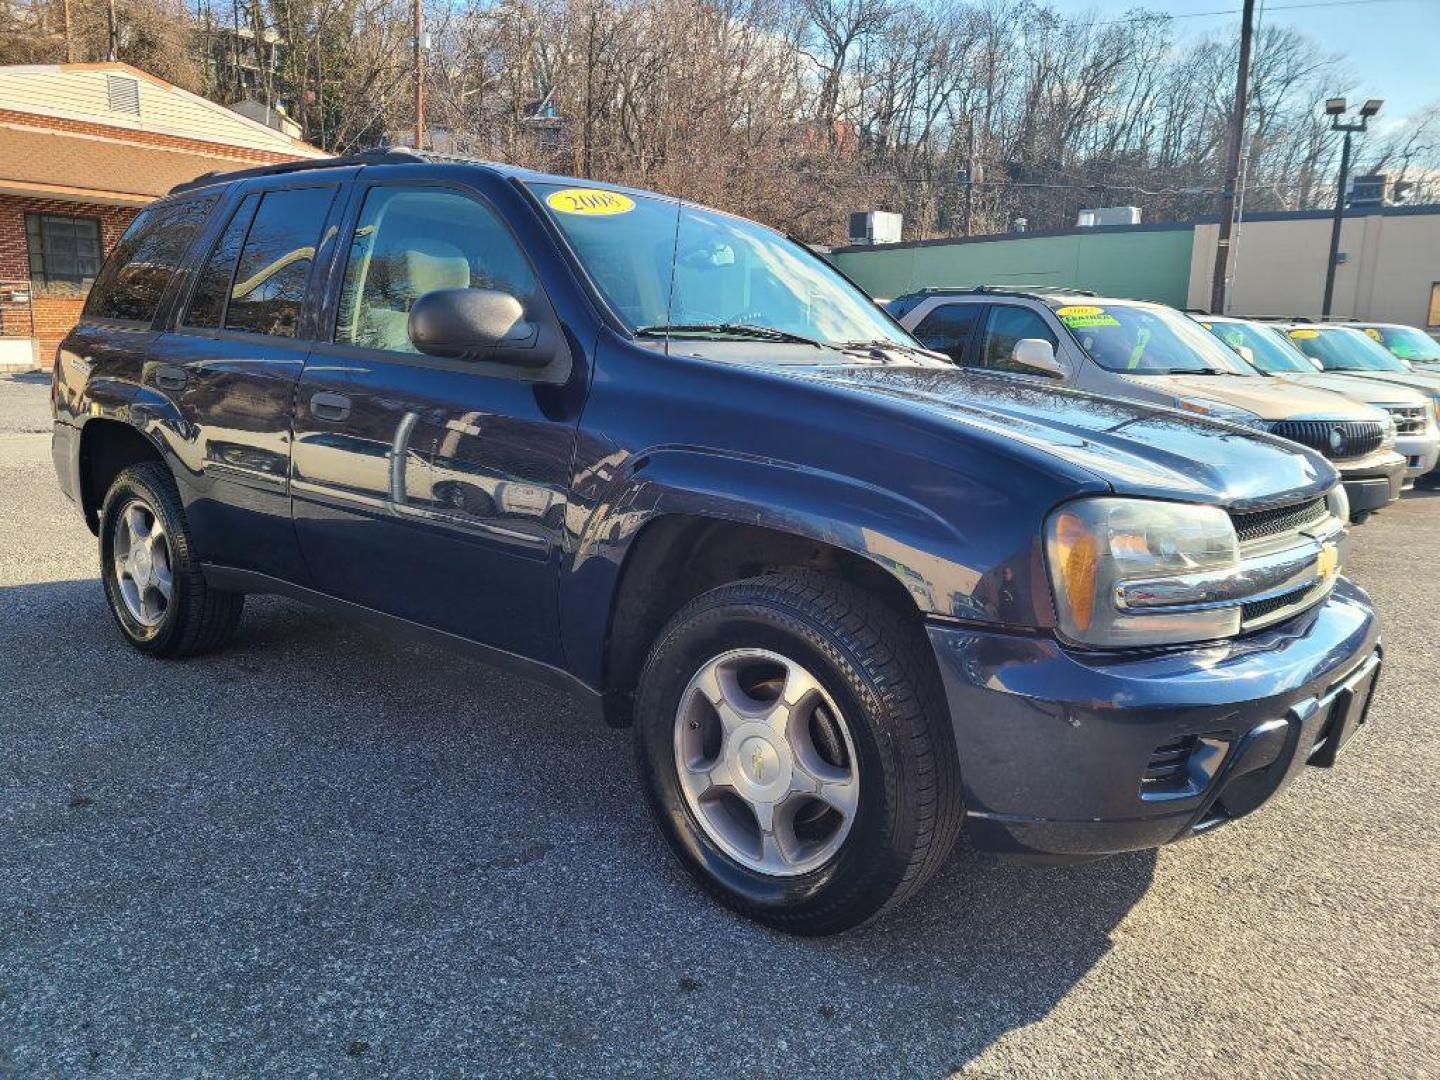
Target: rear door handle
{"points": [[170, 377], [327, 406]]}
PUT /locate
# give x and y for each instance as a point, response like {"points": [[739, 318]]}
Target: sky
{"points": [[1391, 46]]}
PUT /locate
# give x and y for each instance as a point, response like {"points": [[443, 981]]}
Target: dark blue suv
{"points": [[850, 597]]}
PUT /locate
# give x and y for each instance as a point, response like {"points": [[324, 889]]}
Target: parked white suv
{"points": [[1271, 352], [1152, 353]]}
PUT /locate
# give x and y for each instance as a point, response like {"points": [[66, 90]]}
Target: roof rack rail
{"points": [[382, 156], [1198, 311], [999, 290]]}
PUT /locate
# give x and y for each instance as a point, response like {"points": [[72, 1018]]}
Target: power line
{"points": [[1165, 15]]}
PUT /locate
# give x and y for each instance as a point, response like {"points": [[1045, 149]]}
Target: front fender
{"points": [[935, 560]]}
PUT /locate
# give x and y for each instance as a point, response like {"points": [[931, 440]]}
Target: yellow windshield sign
{"points": [[1374, 333], [1084, 316], [1304, 335], [590, 202]]}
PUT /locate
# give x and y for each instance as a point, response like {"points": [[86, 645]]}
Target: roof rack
{"points": [[383, 156]]}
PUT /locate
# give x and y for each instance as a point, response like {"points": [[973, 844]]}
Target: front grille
{"points": [[1409, 419], [1262, 524], [1260, 609], [1339, 439], [1167, 762]]}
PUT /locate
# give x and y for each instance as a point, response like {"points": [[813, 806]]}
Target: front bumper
{"points": [[1421, 452], [1054, 744], [1373, 483]]}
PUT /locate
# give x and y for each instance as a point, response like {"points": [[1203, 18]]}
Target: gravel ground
{"points": [[324, 853]]}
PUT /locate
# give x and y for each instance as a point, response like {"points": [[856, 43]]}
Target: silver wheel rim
{"points": [[766, 762], [142, 564]]}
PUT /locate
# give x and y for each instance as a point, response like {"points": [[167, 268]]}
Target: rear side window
{"points": [[133, 280], [207, 305], [947, 329], [274, 268], [1006, 326]]}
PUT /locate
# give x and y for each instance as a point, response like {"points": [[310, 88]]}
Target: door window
{"points": [[134, 278], [410, 241], [274, 267], [1007, 325], [207, 305], [947, 329]]}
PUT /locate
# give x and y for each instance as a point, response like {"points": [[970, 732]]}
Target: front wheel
{"points": [[151, 571], [796, 753]]}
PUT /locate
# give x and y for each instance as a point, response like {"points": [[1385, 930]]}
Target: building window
{"points": [[1433, 318], [63, 250]]}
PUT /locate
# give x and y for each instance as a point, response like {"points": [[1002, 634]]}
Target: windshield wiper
{"points": [[741, 330], [885, 343]]}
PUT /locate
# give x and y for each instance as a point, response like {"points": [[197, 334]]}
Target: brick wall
{"points": [[57, 308]]}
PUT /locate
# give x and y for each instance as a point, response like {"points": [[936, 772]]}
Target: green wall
{"points": [[1148, 264]]}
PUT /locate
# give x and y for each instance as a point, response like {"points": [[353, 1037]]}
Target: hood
{"points": [[1136, 448], [1357, 388], [1427, 382], [1265, 398]]}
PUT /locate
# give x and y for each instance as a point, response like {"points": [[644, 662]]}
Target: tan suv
{"points": [[1153, 353]]}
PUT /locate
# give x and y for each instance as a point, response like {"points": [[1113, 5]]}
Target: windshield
{"points": [[1343, 349], [670, 267], [1271, 352], [1407, 343], [1143, 340]]}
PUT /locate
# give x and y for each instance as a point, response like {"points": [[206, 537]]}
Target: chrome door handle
{"points": [[327, 406]]}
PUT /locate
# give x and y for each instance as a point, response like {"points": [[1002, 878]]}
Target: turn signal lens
{"points": [[1075, 555]]}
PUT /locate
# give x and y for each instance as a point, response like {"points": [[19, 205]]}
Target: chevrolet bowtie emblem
{"points": [[1327, 560]]}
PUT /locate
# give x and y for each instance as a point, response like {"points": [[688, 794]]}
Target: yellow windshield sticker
{"points": [[1374, 333], [1084, 316], [1304, 335], [590, 202]]}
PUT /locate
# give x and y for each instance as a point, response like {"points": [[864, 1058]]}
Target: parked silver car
{"points": [[1409, 343], [1153, 353], [1269, 350]]}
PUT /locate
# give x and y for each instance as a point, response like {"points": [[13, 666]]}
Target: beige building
{"points": [[1390, 268], [83, 147]]}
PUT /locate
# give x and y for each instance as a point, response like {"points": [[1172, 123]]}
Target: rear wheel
{"points": [[795, 751], [152, 577]]}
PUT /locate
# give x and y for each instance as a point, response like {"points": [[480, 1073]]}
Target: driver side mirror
{"points": [[478, 324], [1038, 355]]}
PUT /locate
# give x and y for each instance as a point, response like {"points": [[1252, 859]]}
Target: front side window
{"points": [[667, 266], [1137, 339], [1007, 325], [410, 241], [947, 329], [274, 268], [63, 250], [134, 278], [1343, 349], [1271, 352]]}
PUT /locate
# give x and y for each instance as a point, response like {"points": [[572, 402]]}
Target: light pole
{"points": [[1335, 109]]}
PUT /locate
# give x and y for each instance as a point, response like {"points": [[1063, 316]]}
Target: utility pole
{"points": [[419, 79], [970, 176], [1335, 109], [1232, 162]]}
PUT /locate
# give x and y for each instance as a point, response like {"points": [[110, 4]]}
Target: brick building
{"points": [[82, 148]]}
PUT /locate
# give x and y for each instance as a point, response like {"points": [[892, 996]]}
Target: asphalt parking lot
{"points": [[322, 852]]}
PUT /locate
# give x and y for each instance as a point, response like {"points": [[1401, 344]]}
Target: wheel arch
{"points": [[107, 447]]}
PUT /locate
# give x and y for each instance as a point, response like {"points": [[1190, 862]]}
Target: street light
{"points": [[1335, 109]]}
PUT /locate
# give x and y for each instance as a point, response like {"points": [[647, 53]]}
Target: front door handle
{"points": [[327, 406]]}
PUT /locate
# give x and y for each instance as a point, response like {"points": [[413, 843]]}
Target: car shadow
{"points": [[321, 838], [27, 378]]}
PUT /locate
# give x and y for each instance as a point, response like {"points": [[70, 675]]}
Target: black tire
{"points": [[874, 665], [197, 618]]}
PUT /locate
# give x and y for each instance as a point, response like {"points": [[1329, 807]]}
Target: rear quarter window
{"points": [[136, 275]]}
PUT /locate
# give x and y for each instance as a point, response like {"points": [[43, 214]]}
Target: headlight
{"points": [[1338, 503], [1217, 410], [1116, 565]]}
